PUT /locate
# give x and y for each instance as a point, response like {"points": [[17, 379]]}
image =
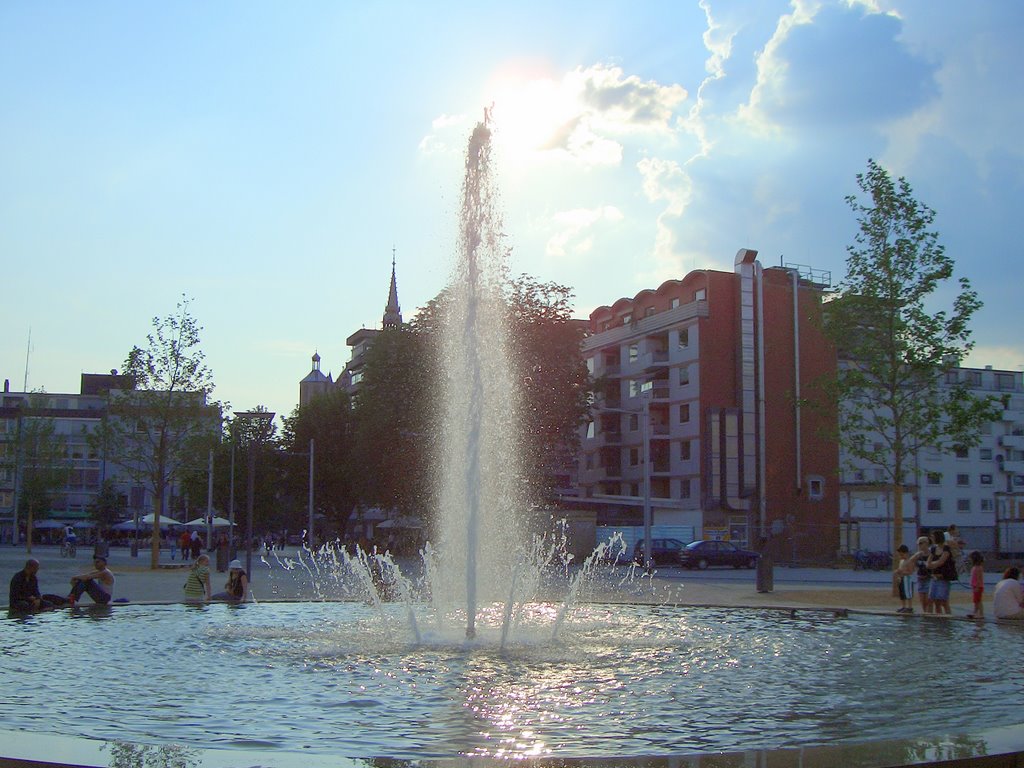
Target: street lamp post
{"points": [[265, 419]]}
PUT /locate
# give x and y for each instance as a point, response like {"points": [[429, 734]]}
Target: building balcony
{"points": [[653, 360], [661, 391], [1015, 466], [661, 430], [1012, 441], [1011, 414]]}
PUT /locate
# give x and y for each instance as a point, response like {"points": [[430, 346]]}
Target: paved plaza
{"points": [[289, 575]]}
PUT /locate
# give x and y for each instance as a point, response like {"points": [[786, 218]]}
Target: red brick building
{"points": [[702, 408]]}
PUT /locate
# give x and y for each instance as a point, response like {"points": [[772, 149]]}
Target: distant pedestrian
{"points": [[196, 544], [904, 575], [172, 544], [943, 568], [185, 541], [977, 585], [924, 576]]}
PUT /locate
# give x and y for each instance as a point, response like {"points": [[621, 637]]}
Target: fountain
{"points": [[498, 647]]}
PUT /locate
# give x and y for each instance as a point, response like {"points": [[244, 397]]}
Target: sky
{"points": [[268, 160]]}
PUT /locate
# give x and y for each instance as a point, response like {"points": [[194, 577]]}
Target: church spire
{"points": [[392, 312]]}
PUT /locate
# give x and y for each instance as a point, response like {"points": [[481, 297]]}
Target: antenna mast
{"points": [[28, 351]]}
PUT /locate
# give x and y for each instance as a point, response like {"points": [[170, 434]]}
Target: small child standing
{"points": [[904, 576], [977, 584]]}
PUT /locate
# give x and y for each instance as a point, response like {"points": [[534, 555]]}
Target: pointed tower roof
{"points": [[392, 312]]}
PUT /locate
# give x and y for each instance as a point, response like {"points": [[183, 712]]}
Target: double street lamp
{"points": [[265, 421]]}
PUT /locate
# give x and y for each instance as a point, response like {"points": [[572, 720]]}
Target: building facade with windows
{"points": [[979, 488], [73, 419], [701, 409]]}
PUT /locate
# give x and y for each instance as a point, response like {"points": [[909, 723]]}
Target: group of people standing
{"points": [[930, 571]]}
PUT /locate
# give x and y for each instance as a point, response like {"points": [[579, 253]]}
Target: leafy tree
{"points": [[393, 426], [165, 423], [108, 507], [328, 420], [894, 349], [43, 462], [256, 438]]}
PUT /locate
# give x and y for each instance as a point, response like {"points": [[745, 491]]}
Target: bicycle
{"points": [[68, 549]]}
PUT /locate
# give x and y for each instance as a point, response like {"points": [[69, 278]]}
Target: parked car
{"points": [[663, 551], [703, 554]]}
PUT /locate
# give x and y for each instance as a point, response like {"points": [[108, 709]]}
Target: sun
{"points": [[532, 117]]}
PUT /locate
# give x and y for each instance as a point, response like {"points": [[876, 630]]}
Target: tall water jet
{"points": [[479, 466]]}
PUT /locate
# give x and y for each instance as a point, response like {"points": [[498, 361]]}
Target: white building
{"points": [[981, 489]]}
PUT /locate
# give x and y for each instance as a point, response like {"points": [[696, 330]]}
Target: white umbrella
{"points": [[164, 520], [401, 522], [200, 522], [49, 524]]}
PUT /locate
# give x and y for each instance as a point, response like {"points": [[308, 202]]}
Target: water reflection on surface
{"points": [[342, 679]]}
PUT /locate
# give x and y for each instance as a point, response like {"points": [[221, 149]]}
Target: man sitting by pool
{"points": [[99, 583]]}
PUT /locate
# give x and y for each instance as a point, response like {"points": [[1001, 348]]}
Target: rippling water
{"points": [[341, 678]]}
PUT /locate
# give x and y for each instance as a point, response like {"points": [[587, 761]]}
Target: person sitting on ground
{"points": [[197, 586], [237, 588], [1008, 599], [98, 583], [24, 594]]}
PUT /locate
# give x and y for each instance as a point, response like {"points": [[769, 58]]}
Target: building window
{"points": [[591, 430], [961, 452], [627, 319], [1018, 481], [634, 352], [634, 489], [974, 378], [934, 478], [6, 498], [986, 479], [986, 505], [684, 338], [963, 480], [684, 450], [675, 303], [816, 488], [985, 454], [1004, 381], [634, 457], [963, 505], [934, 505], [634, 422], [684, 375], [700, 294], [684, 413], [684, 488], [649, 311]]}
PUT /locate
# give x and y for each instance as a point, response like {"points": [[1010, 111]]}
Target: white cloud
{"points": [[666, 181], [574, 235]]}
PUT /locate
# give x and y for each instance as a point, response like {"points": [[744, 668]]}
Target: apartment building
{"points": [[981, 489], [702, 412], [74, 417]]}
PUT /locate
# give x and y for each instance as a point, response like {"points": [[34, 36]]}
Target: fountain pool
{"points": [[348, 679]]}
